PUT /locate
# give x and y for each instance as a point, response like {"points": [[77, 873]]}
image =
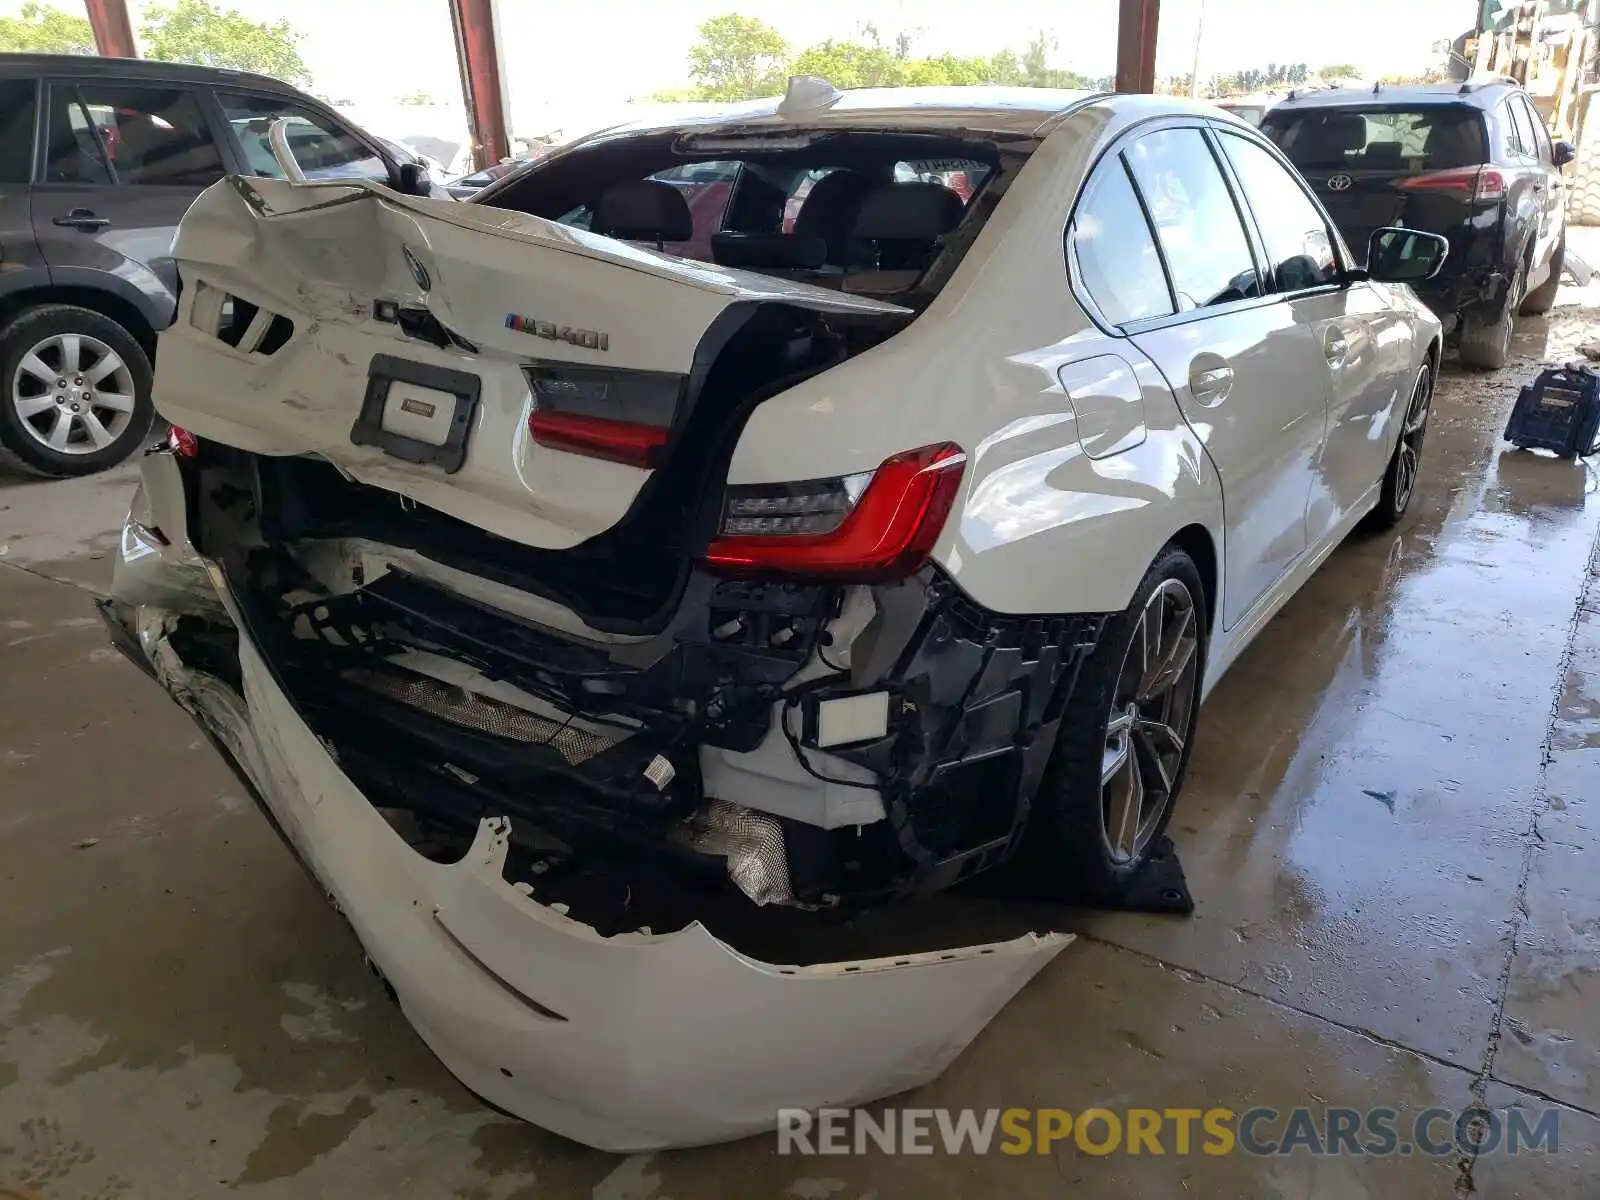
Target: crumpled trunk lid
{"points": [[390, 334]]}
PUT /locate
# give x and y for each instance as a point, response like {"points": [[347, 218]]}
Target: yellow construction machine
{"points": [[1552, 48]]}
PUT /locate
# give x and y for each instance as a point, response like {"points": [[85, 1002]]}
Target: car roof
{"points": [[1002, 110], [1481, 94], [86, 66]]}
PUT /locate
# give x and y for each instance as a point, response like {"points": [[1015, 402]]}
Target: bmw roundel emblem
{"points": [[418, 271], [1340, 183]]}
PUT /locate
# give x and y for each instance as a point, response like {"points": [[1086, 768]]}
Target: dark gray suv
{"points": [[99, 159]]}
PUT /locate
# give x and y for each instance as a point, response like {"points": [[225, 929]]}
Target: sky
{"points": [[577, 62]]}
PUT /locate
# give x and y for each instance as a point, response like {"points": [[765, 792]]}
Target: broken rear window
{"points": [[807, 206]]}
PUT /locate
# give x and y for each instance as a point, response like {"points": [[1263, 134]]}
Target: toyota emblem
{"points": [[1340, 183]]}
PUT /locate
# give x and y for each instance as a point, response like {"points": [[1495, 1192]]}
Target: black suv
{"points": [[1471, 161], [99, 159]]}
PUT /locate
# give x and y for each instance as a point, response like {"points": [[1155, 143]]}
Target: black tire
{"points": [[1067, 836], [1543, 298], [27, 446], [1583, 193], [1486, 344], [1400, 477]]}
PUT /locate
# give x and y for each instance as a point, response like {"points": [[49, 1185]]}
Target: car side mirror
{"points": [[1405, 255], [1563, 153], [414, 180]]}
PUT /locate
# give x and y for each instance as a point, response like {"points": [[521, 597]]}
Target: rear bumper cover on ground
{"points": [[633, 1042]]}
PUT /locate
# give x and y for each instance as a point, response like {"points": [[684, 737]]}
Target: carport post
{"points": [[477, 26], [1136, 45], [113, 32]]}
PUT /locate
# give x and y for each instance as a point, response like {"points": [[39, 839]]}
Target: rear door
{"points": [[21, 265], [1249, 376], [123, 161], [1378, 166]]}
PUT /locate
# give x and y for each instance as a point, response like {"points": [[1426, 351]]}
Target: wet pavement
{"points": [[1389, 827]]}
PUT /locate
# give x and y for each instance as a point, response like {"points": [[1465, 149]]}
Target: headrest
{"points": [[838, 194], [1383, 154], [915, 211], [758, 250], [1338, 133], [643, 210]]}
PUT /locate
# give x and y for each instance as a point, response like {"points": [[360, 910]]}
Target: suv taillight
{"points": [[1479, 185], [867, 528]]}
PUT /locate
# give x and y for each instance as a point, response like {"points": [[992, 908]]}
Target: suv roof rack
{"points": [[1473, 85]]}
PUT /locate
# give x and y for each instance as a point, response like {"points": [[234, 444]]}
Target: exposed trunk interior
{"points": [[630, 579]]}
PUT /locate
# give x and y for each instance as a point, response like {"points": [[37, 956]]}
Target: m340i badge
{"points": [[589, 339]]}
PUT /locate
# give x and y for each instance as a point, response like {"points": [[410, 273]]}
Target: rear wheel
{"points": [[1543, 298], [74, 391], [1400, 479], [1123, 744], [1486, 344]]}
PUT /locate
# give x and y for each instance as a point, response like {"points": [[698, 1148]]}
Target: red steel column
{"points": [[1136, 45], [477, 27], [113, 32]]}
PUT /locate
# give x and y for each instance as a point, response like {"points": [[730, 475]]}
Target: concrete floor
{"points": [[1385, 827]]}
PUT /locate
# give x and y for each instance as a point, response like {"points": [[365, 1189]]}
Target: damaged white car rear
{"points": [[728, 529]]}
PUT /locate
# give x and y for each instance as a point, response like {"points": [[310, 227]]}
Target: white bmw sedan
{"points": [[790, 510]]}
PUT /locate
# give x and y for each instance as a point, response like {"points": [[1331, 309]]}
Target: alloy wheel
{"points": [[1410, 450], [73, 393], [1514, 298], [1151, 712]]}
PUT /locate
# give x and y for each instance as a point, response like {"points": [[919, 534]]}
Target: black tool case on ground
{"points": [[1558, 411]]}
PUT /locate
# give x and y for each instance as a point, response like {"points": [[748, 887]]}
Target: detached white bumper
{"points": [[625, 1043]]}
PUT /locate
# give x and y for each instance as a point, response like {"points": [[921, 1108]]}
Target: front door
{"points": [[323, 149], [1549, 186], [122, 164], [1248, 375]]}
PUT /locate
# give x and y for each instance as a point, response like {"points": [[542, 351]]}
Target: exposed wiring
{"points": [[791, 702], [834, 667]]}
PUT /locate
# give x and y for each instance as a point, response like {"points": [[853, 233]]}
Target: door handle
{"points": [[1335, 348], [1210, 385], [82, 218]]}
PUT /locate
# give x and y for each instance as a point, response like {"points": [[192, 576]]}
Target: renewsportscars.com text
{"points": [[1434, 1132]]}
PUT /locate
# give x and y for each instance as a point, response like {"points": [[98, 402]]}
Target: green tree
{"points": [[1006, 68], [1037, 71], [852, 65], [44, 29], [735, 58], [1337, 73], [416, 100], [194, 31]]}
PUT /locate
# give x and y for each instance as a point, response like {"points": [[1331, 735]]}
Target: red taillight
{"points": [[1477, 184], [597, 437], [182, 443], [887, 534], [1491, 186]]}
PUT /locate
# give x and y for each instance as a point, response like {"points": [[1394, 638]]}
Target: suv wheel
{"points": [[1124, 738], [74, 391], [1486, 345], [1543, 298]]}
